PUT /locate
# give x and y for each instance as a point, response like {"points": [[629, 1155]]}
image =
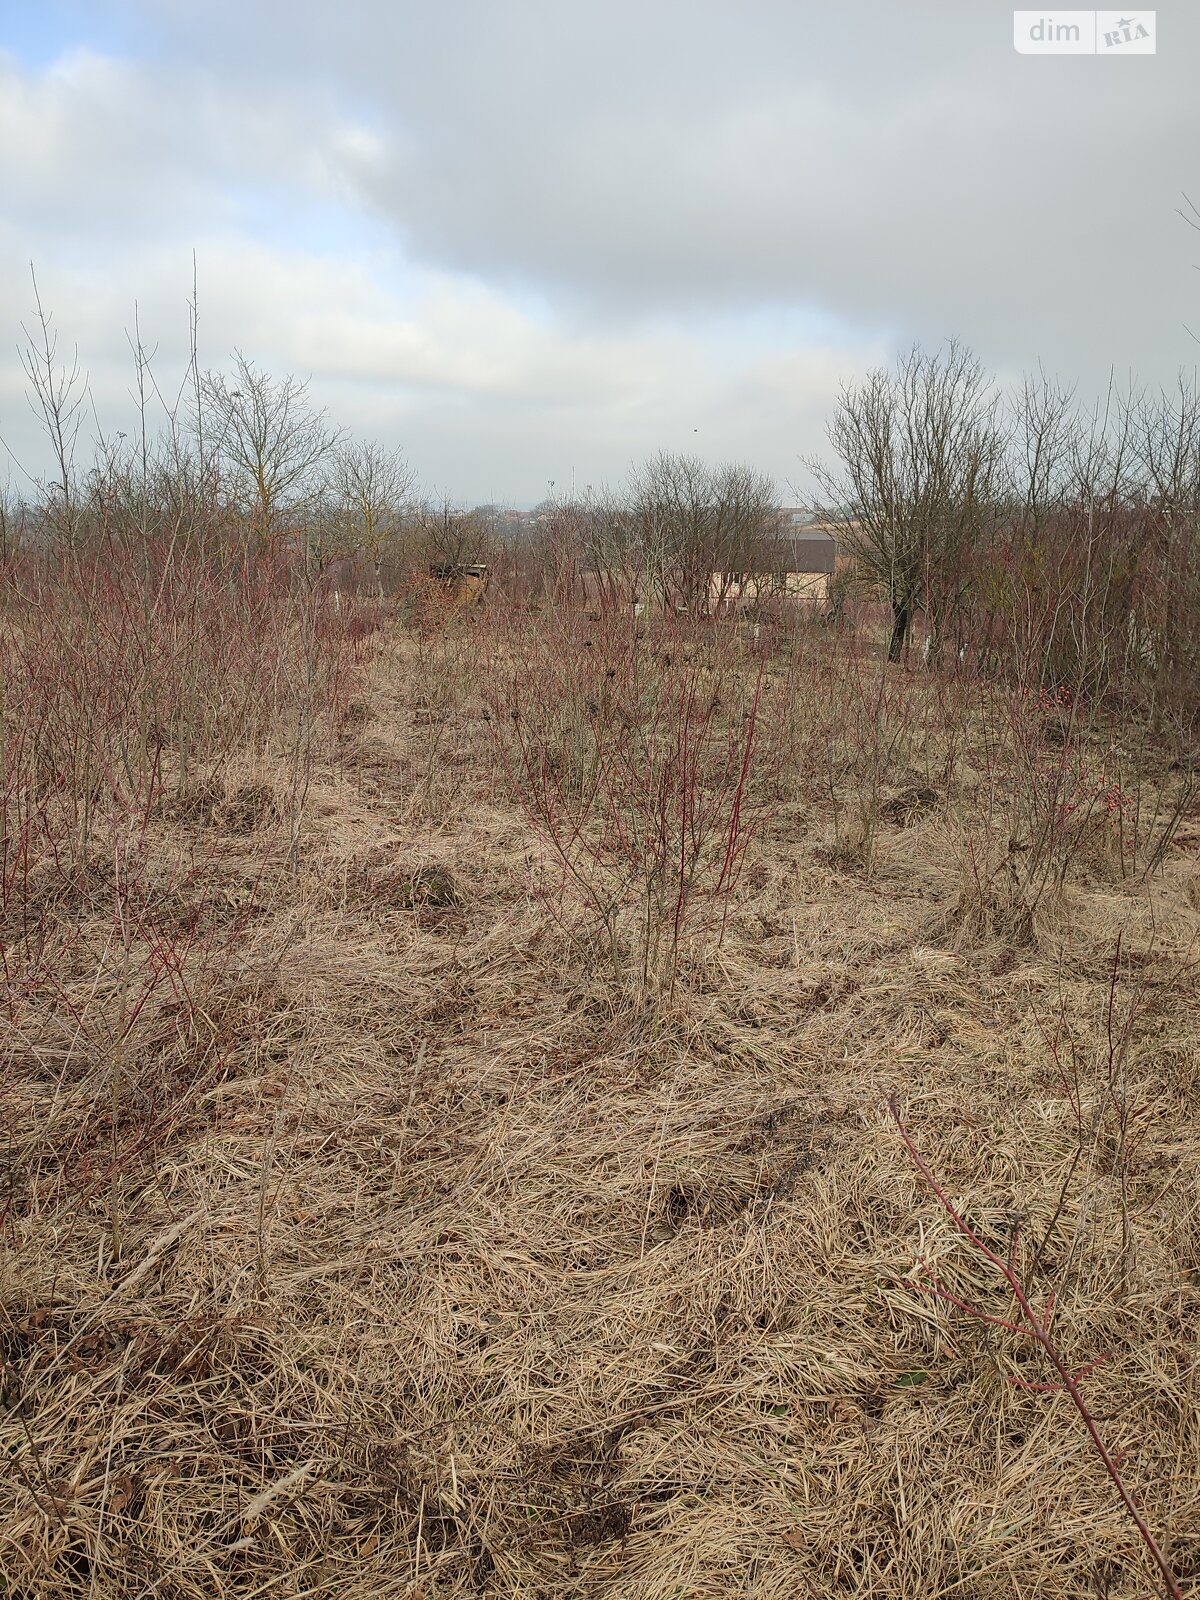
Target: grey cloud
{"points": [[601, 194], [900, 167]]}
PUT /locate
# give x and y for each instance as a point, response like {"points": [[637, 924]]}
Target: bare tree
{"points": [[589, 547], [451, 537], [370, 487], [920, 449], [57, 395], [1006, 603], [14, 523], [271, 440], [1166, 433], [747, 545], [696, 525], [1100, 551]]}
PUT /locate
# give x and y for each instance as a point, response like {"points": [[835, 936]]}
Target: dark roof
{"points": [[813, 553]]}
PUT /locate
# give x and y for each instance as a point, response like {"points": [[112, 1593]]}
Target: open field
{"points": [[446, 1133], [599, 802]]}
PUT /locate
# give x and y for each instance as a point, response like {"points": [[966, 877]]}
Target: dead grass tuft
{"points": [[907, 807]]}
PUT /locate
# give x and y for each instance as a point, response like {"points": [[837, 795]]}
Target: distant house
{"points": [[798, 566]]}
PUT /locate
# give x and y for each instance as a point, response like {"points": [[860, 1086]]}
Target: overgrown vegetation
{"points": [[581, 1096]]}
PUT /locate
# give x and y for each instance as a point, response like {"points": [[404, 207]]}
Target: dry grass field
{"points": [[446, 1145]]}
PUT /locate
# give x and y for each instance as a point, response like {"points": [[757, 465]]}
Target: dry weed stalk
{"points": [[634, 763], [1037, 1326]]}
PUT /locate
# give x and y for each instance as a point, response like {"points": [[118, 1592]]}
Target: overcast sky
{"points": [[530, 238]]}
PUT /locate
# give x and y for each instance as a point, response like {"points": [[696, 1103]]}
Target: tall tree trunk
{"points": [[901, 623]]}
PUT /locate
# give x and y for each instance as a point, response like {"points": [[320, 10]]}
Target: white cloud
{"points": [[488, 397]]}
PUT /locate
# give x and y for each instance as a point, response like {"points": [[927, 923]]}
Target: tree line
{"points": [[1027, 530], [1023, 530]]}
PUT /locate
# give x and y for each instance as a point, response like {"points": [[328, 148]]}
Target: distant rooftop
{"points": [[813, 552]]}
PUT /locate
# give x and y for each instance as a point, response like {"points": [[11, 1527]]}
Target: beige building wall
{"points": [[810, 586]]}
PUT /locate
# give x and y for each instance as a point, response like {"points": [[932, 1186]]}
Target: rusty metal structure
{"points": [[465, 584]]}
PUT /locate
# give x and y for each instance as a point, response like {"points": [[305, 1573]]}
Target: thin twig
{"points": [[1037, 1327]]}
